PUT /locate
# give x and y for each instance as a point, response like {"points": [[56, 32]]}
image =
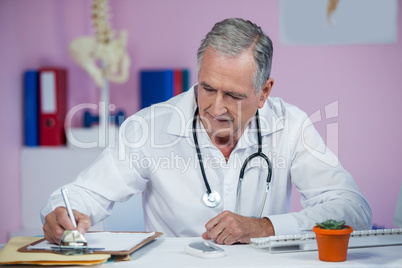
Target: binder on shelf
{"points": [[178, 82], [156, 86], [160, 85], [31, 111], [186, 79], [52, 106]]}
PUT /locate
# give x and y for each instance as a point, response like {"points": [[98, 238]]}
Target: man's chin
{"points": [[222, 135]]}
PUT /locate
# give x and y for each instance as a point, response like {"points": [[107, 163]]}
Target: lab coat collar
{"points": [[183, 116], [270, 120]]}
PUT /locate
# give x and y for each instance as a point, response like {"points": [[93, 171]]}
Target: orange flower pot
{"points": [[332, 244]]}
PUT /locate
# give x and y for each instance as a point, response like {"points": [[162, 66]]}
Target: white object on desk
{"points": [[307, 242], [204, 250]]}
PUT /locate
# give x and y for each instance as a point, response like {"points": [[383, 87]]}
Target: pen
{"points": [[64, 193]]}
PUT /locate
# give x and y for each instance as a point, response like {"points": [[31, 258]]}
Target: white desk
{"points": [[169, 252]]}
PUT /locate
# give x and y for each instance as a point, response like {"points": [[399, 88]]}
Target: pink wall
{"points": [[364, 79]]}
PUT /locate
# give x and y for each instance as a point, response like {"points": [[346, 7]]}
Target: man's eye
{"points": [[235, 97], [208, 89]]}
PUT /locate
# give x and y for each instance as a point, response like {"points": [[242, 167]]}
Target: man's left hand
{"points": [[228, 228]]}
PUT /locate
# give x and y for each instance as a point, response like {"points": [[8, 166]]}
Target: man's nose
{"points": [[218, 106]]}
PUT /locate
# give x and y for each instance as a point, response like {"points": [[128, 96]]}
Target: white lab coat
{"points": [[156, 157]]}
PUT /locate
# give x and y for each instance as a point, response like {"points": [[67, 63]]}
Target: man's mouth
{"points": [[220, 119]]}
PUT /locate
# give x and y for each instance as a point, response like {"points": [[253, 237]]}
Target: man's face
{"points": [[226, 95]]}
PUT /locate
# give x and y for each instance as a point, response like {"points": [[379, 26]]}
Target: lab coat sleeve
{"points": [[110, 179], [327, 190]]}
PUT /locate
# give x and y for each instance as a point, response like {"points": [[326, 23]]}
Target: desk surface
{"points": [[169, 252]]}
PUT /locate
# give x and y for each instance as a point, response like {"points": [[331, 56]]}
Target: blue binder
{"points": [[31, 112], [156, 86], [186, 80]]}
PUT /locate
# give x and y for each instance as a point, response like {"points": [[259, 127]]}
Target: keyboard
{"points": [[307, 242]]}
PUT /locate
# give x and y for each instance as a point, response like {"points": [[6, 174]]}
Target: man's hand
{"points": [[229, 228], [58, 221]]}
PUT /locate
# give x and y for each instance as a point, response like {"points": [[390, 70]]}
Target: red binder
{"points": [[177, 82], [53, 106]]}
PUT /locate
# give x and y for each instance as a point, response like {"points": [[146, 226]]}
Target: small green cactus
{"points": [[332, 225]]}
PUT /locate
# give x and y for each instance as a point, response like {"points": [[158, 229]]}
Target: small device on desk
{"points": [[307, 242], [204, 250]]}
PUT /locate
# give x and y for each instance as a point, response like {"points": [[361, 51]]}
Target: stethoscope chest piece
{"points": [[212, 199]]}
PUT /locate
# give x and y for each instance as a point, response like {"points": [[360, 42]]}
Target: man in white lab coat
{"points": [[156, 157]]}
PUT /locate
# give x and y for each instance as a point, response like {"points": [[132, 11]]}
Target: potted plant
{"points": [[332, 240]]}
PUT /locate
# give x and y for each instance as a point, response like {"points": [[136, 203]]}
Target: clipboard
{"points": [[9, 255], [124, 252]]}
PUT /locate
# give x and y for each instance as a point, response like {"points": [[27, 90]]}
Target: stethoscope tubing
{"points": [[241, 175], [197, 147]]}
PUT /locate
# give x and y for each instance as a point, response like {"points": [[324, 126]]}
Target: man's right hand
{"points": [[58, 221]]}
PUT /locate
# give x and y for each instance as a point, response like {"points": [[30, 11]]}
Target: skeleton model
{"points": [[332, 4], [103, 56]]}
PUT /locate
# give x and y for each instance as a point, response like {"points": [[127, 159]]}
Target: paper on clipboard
{"points": [[109, 241], [115, 243]]}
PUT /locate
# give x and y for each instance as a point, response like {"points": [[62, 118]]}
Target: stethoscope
{"points": [[212, 198]]}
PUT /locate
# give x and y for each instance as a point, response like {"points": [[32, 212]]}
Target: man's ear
{"points": [[265, 91]]}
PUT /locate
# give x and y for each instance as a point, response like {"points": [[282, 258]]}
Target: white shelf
{"points": [[44, 169]]}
